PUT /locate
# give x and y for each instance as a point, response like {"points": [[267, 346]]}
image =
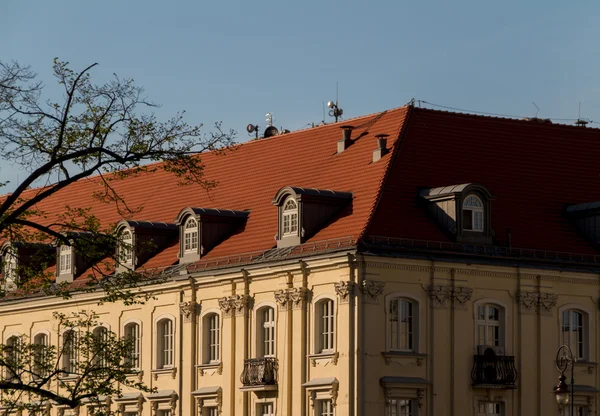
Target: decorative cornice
{"points": [[371, 290], [458, 295], [291, 298], [536, 301], [345, 290], [188, 310], [234, 305]]}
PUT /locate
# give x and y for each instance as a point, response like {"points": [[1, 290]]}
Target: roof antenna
{"points": [[538, 109], [580, 122], [335, 111]]}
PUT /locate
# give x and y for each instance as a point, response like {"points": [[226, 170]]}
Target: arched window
{"points": [[70, 352], [490, 325], [325, 326], [10, 266], [126, 247], [290, 217], [132, 333], [100, 339], [402, 324], [266, 335], [13, 355], [64, 260], [190, 236], [472, 214], [573, 332], [40, 357], [166, 343], [212, 339]]}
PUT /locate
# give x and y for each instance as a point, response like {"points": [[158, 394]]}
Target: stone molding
{"points": [[536, 301], [441, 294], [291, 298], [372, 290], [235, 305], [345, 290], [188, 310]]}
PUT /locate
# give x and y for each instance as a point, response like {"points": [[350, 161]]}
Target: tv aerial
{"points": [[335, 110], [252, 128]]}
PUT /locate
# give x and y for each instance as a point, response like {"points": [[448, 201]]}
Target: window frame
{"points": [[292, 215], [65, 257], [211, 343], [40, 355], [504, 322], [319, 325], [192, 232], [70, 355], [486, 403], [137, 350], [263, 328], [101, 331], [398, 296], [126, 247], [585, 354], [393, 408], [162, 346], [477, 217]]}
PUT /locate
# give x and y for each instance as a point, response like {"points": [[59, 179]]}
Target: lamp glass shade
{"points": [[562, 397]]}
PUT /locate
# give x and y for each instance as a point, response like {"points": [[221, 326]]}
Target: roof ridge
{"points": [[389, 163]]}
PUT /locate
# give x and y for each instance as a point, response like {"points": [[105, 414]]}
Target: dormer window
{"points": [[65, 263], [125, 248], [472, 214], [10, 268], [190, 236], [463, 211], [290, 217]]}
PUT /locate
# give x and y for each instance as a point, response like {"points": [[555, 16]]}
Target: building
{"points": [[410, 262]]}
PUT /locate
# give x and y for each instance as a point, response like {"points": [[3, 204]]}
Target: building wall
{"points": [[437, 375]]}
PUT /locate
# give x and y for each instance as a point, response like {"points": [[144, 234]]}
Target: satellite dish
{"points": [[271, 131]]}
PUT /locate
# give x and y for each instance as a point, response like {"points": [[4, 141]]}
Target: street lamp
{"points": [[564, 394]]}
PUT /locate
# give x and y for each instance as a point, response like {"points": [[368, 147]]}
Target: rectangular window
{"points": [[163, 413], [214, 336], [489, 409], [65, 260], [325, 408], [266, 409], [327, 325], [572, 332], [578, 411], [268, 332], [401, 325], [166, 339], [402, 407], [132, 331], [210, 411]]}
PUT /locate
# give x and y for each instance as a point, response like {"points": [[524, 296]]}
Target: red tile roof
{"points": [[249, 177], [533, 171]]}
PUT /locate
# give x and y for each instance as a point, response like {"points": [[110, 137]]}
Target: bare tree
{"points": [[106, 130]]}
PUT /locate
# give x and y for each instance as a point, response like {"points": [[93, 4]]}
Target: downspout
{"points": [[180, 395]]}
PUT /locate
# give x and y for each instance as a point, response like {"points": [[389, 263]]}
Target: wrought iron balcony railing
{"points": [[492, 369], [260, 372]]}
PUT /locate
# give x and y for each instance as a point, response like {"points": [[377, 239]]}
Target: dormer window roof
{"points": [[141, 240], [302, 212], [201, 229], [463, 211]]}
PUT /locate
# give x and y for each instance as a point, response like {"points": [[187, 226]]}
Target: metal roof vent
{"points": [[382, 149], [346, 139]]}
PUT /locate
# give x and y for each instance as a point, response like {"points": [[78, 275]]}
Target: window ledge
{"points": [[160, 371], [324, 358], [204, 369], [69, 378], [388, 356]]}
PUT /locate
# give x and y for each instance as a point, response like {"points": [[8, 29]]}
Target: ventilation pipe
{"points": [[382, 149], [346, 139]]}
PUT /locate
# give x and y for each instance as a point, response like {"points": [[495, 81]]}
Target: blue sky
{"points": [[234, 61]]}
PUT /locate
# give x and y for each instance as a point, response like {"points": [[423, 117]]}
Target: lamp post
{"points": [[564, 394]]}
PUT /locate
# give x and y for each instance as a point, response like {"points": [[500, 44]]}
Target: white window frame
{"points": [[579, 347], [265, 408], [290, 223], [324, 407], [41, 340], [65, 260], [211, 338], [267, 332], [491, 329], [165, 342], [126, 247], [394, 324], [395, 406], [133, 328], [474, 204], [101, 332], [190, 236], [486, 408], [325, 325], [10, 266], [70, 352]]}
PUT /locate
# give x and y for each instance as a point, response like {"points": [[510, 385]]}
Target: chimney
{"points": [[346, 140], [381, 147]]}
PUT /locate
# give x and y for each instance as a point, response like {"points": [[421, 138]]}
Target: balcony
{"points": [[260, 374], [494, 371]]}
